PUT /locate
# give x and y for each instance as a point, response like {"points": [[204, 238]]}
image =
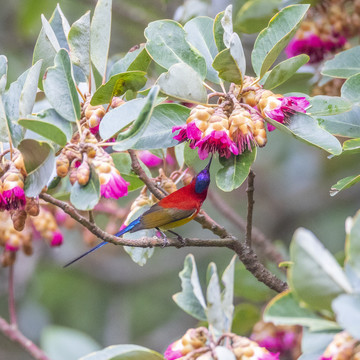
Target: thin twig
{"points": [[250, 195], [91, 216], [258, 237], [15, 335], [208, 87], [80, 93], [12, 308]]}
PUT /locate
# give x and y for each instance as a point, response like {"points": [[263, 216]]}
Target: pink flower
{"points": [[281, 342], [269, 356], [325, 358], [172, 353], [60, 217], [216, 141], [3, 202], [314, 46], [11, 247], [57, 239], [279, 109], [149, 159], [113, 185], [14, 198]]}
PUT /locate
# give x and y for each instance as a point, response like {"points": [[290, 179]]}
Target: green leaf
{"points": [[138, 59], [39, 160], [61, 343], [254, 15], [183, 83], [167, 45], [345, 124], [60, 27], [219, 32], [299, 82], [213, 310], [86, 197], [273, 39], [118, 85], [100, 35], [49, 124], [344, 64], [79, 43], [227, 295], [199, 34], [28, 92], [129, 136], [344, 183], [351, 89], [284, 71], [3, 73], [158, 133], [122, 162], [235, 170], [4, 124], [139, 255], [323, 105], [306, 129], [285, 310], [124, 352], [346, 308], [352, 145], [226, 22], [311, 257], [60, 88], [191, 298], [120, 117], [352, 244]]}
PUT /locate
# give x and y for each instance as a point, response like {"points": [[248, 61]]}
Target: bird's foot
{"points": [[164, 237], [178, 236]]}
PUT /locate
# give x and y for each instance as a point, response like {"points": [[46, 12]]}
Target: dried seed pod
{"points": [[32, 207], [18, 218]]}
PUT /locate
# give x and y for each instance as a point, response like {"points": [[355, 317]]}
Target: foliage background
{"points": [[107, 295]]}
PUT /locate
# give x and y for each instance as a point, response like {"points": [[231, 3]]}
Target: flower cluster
{"points": [[343, 347], [196, 344], [237, 123], [77, 159], [285, 340], [17, 230], [326, 30]]}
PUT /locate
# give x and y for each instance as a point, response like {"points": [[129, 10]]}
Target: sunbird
{"points": [[175, 209]]}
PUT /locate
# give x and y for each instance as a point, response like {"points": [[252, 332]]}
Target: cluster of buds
{"points": [[17, 231], [93, 114], [237, 123], [343, 347], [77, 159], [326, 29], [198, 344], [283, 339]]}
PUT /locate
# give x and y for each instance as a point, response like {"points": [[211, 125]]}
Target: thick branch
{"points": [[12, 332], [258, 237]]}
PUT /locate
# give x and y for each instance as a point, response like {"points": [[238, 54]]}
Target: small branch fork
{"points": [[11, 330], [245, 253]]}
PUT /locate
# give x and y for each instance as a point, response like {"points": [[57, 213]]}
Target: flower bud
{"points": [[62, 165], [18, 218], [116, 102], [32, 207], [83, 173]]}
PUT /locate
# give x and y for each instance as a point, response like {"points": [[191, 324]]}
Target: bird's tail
{"points": [[98, 246]]}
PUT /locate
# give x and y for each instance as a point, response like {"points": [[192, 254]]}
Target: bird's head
{"points": [[202, 180]]}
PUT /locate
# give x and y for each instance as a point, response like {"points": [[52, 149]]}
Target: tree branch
{"points": [[258, 237], [13, 333]]}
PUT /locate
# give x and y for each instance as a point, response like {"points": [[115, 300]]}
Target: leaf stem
{"points": [[208, 87], [80, 93]]}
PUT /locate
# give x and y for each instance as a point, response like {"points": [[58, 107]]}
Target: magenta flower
{"points": [[14, 198], [11, 247], [112, 185], [57, 239], [171, 353], [149, 159], [314, 46], [3, 202], [280, 108], [325, 358], [216, 141], [269, 356], [281, 342]]}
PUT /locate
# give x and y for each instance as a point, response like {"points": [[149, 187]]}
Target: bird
{"points": [[175, 209]]}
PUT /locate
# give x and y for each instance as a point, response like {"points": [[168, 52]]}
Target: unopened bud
{"points": [[32, 207], [62, 165], [18, 218]]}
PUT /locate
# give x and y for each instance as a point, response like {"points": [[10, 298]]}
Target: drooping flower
{"points": [[57, 239], [149, 159], [279, 108], [172, 353], [112, 185], [13, 189]]}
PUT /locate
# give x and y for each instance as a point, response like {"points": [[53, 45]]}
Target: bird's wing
{"points": [[157, 216]]}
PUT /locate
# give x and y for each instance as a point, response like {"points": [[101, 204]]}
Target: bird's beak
{"points": [[208, 165]]}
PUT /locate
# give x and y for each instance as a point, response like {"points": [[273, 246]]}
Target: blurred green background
{"points": [[114, 300]]}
